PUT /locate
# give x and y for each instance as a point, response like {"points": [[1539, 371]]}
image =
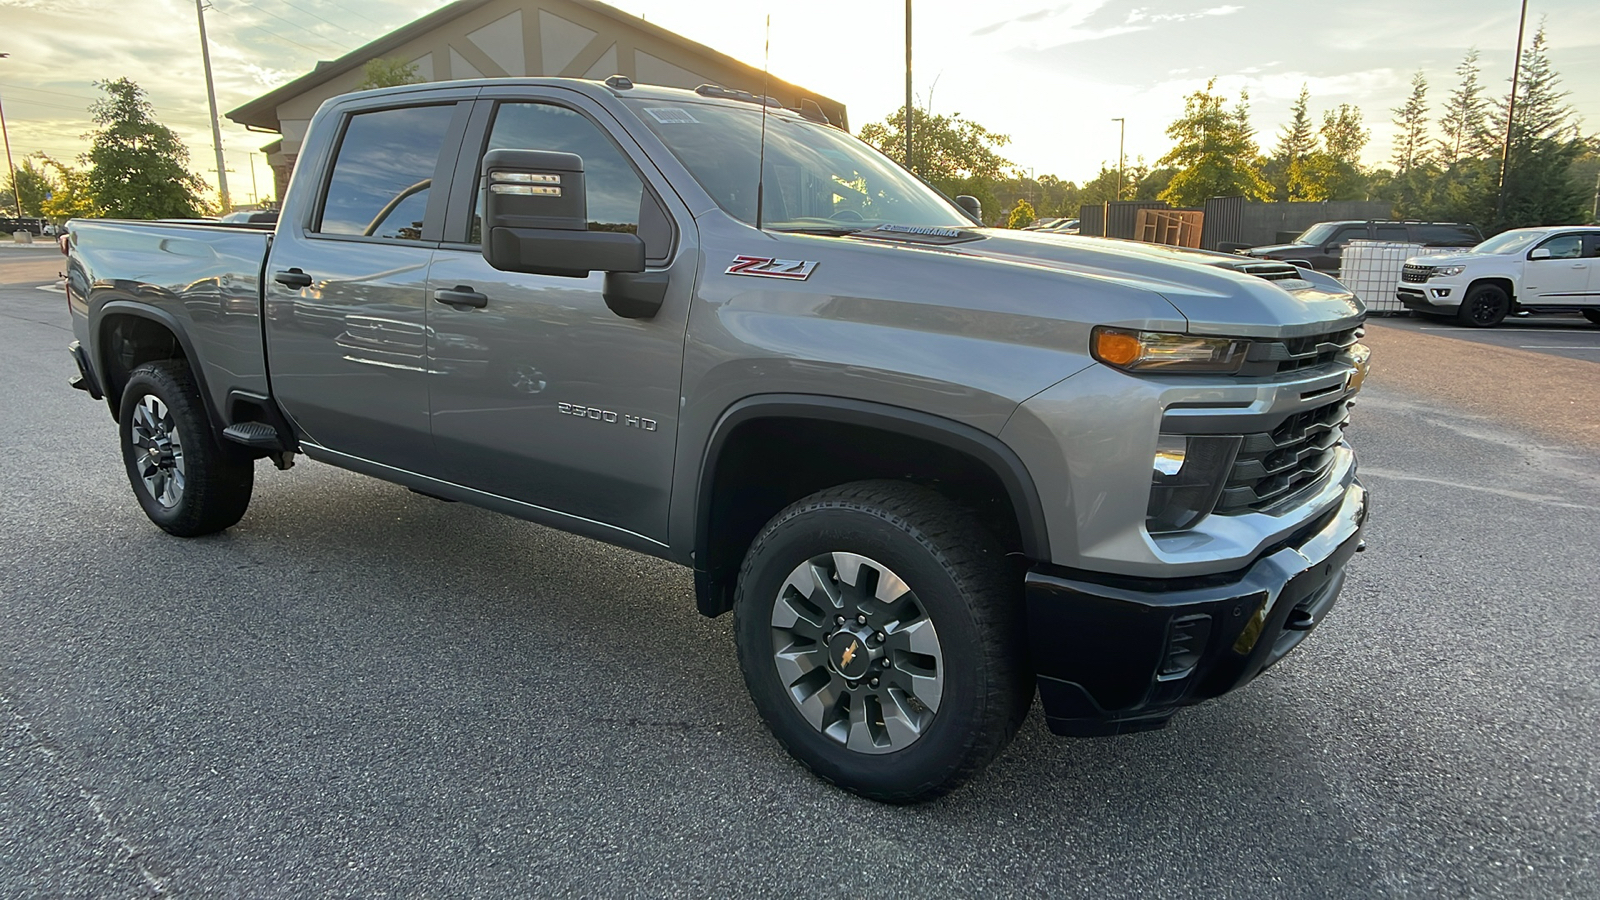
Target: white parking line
{"points": [[1578, 329], [1553, 347]]}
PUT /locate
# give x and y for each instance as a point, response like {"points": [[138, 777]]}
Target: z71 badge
{"points": [[767, 267]]}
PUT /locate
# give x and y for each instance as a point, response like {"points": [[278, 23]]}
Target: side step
{"points": [[257, 435]]}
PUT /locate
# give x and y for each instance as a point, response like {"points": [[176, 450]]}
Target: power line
{"points": [[293, 23], [314, 15], [18, 87]]}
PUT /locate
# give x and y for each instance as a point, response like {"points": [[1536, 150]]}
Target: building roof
{"points": [[262, 112]]}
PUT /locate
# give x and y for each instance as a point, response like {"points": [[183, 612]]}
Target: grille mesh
{"points": [[1414, 274]]}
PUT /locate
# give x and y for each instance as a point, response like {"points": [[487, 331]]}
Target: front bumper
{"points": [[1124, 654], [1430, 297]]}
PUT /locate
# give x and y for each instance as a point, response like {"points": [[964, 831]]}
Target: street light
{"points": [[1122, 134], [16, 195]]}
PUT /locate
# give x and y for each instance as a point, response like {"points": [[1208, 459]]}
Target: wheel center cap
{"points": [[849, 655]]}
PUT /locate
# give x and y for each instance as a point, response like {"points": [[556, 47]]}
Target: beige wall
{"points": [[519, 38]]}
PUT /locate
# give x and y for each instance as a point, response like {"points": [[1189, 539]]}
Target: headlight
{"points": [[1147, 351], [1447, 271], [1186, 477]]}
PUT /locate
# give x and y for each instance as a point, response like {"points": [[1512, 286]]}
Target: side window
{"points": [[614, 191], [1567, 246], [1446, 236], [383, 172], [1593, 243], [1393, 233], [1347, 234]]}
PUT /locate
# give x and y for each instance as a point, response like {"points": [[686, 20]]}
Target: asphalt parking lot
{"points": [[360, 692], [1556, 335]]}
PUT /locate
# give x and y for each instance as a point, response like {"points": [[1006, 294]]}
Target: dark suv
{"points": [[1322, 244]]}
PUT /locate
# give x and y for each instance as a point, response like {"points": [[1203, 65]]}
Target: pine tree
{"points": [[1297, 141], [1411, 127], [1536, 188], [1464, 122], [1335, 171]]}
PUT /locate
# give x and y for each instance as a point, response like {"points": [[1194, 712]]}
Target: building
{"points": [[499, 38]]}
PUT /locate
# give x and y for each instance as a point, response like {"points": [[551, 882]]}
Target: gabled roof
{"points": [[262, 112]]}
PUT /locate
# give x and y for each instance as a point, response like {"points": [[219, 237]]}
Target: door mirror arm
{"points": [[636, 295]]}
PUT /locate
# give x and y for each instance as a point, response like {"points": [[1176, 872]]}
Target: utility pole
{"points": [[908, 87], [211, 97], [16, 195], [1122, 136], [1511, 118]]}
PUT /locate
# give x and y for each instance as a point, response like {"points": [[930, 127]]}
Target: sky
{"points": [[1052, 74]]}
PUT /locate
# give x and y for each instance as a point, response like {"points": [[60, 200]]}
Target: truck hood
{"points": [[1218, 293], [1280, 251]]}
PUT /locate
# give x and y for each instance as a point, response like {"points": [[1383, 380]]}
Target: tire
{"points": [[940, 672], [186, 482], [1485, 306], [1593, 315]]}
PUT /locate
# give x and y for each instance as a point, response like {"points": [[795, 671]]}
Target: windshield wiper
{"points": [[827, 230]]}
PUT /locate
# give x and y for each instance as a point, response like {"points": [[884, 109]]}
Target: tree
{"points": [[387, 72], [1215, 151], [1537, 188], [140, 170], [1021, 215], [31, 185], [1411, 127], [1463, 122], [71, 198], [1297, 141], [955, 155], [1337, 167]]}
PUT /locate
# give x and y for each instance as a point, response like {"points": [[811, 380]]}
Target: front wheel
{"points": [[187, 483], [880, 633], [1485, 306]]}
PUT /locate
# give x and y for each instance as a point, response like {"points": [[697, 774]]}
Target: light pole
{"points": [[908, 87], [1122, 135], [211, 97], [16, 195]]}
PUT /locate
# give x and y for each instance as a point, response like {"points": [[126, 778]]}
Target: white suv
{"points": [[1553, 269]]}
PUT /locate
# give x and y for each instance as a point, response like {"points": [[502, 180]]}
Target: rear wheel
{"points": [[1484, 306], [1593, 315], [186, 482], [880, 633]]}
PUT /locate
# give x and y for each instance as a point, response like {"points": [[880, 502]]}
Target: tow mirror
{"points": [[971, 205], [1541, 253], [536, 218]]}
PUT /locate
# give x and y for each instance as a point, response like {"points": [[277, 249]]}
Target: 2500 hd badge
{"points": [[605, 415]]}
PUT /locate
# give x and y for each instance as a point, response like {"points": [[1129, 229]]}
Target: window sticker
{"points": [[673, 116]]}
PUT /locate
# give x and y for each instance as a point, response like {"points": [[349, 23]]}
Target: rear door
{"points": [[544, 395], [347, 278]]}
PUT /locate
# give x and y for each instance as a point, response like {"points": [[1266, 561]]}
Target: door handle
{"points": [[293, 278], [460, 296]]}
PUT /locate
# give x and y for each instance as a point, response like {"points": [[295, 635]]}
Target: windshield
{"points": [[1509, 242], [1317, 233], [817, 178]]}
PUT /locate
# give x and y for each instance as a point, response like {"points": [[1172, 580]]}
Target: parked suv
{"points": [[1322, 244], [1529, 270]]}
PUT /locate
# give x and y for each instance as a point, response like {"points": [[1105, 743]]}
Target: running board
{"points": [[256, 435]]}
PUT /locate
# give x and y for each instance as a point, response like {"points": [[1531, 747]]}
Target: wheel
{"points": [[1484, 307], [1593, 315], [187, 483], [880, 633]]}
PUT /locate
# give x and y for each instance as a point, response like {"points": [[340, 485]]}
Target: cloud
{"points": [[1088, 20]]}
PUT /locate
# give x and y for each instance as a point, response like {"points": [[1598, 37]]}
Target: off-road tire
{"points": [[216, 481], [959, 577]]}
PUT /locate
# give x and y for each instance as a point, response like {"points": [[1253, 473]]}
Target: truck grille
{"points": [[1272, 467], [1291, 354], [1413, 274]]}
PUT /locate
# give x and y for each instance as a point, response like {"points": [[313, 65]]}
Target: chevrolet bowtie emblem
{"points": [[849, 654]]}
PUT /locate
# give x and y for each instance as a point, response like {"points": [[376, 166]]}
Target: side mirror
{"points": [[1541, 253], [971, 205], [536, 218]]}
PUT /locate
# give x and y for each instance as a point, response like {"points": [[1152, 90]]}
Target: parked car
{"points": [[930, 467], [1321, 246], [1525, 270]]}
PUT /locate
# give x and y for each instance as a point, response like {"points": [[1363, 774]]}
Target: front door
{"points": [[347, 287], [544, 395], [1562, 279]]}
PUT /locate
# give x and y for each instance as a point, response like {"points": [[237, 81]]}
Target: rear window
{"points": [[384, 172]]}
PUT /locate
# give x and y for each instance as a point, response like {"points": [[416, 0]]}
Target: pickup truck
{"points": [[1552, 270], [933, 469]]}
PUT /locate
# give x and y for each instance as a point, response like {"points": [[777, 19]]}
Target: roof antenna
{"points": [[761, 160]]}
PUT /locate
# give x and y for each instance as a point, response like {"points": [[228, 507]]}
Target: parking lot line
{"points": [[1508, 331], [1553, 347]]}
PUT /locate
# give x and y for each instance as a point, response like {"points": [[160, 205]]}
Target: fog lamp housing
{"points": [[1187, 475]]}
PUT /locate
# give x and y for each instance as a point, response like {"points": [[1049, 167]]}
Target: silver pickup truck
{"points": [[932, 468]]}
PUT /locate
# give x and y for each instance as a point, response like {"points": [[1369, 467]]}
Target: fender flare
{"points": [[166, 320], [987, 449]]}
